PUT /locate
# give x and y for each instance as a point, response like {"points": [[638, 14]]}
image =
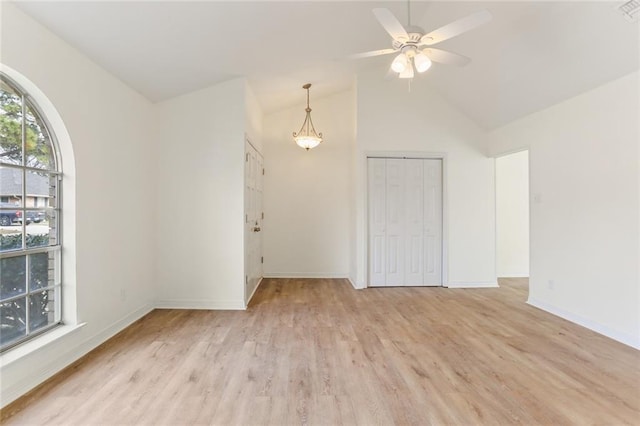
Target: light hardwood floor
{"points": [[319, 352]]}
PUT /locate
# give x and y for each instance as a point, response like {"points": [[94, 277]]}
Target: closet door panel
{"points": [[414, 222], [377, 221], [395, 224], [433, 222]]}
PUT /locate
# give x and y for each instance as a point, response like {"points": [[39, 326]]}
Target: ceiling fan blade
{"points": [[444, 57], [391, 24], [456, 27], [372, 53]]}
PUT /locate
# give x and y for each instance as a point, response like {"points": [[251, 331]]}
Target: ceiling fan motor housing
{"points": [[409, 47], [414, 40]]}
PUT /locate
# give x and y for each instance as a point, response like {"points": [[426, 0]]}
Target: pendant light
{"points": [[307, 137]]}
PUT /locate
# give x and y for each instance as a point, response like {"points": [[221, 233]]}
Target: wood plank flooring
{"points": [[318, 352]]}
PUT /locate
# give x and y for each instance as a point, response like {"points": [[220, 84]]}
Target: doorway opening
{"points": [[512, 220], [253, 218]]}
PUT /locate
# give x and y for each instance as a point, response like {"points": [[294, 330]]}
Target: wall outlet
{"points": [[123, 294], [551, 284]]}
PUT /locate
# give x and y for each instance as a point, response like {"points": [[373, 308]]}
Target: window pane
{"points": [[41, 190], [41, 310], [10, 125], [10, 238], [12, 276], [41, 270], [39, 151], [9, 218], [11, 187], [43, 233], [13, 324], [36, 217]]}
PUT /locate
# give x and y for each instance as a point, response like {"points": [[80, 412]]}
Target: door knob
{"points": [[256, 229]]}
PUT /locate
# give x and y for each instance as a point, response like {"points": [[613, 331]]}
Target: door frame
{"points": [[420, 155]]}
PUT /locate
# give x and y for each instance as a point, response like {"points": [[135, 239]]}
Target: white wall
{"points": [[307, 194], [512, 215], [253, 118], [200, 179], [111, 134], [155, 215], [390, 118], [585, 207]]}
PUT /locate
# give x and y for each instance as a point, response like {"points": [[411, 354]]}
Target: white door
{"points": [[433, 222], [253, 219], [414, 222], [377, 221], [395, 224], [405, 222]]}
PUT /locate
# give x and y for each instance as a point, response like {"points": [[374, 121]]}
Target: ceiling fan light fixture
{"points": [[408, 73], [409, 43], [400, 63], [307, 137], [422, 62]]}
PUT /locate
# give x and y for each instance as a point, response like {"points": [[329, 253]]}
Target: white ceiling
{"points": [[530, 56]]}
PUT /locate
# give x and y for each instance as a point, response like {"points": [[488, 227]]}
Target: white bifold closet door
{"points": [[405, 222]]}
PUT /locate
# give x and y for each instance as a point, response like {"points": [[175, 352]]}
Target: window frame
{"points": [[55, 172]]}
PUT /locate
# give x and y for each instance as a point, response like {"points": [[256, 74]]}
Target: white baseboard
{"points": [[353, 284], [305, 275], [473, 284], [39, 375], [627, 339], [252, 293], [222, 305]]}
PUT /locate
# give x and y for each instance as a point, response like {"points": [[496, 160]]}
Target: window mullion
{"points": [[27, 308], [23, 225], [31, 169], [14, 298], [32, 250], [24, 130]]}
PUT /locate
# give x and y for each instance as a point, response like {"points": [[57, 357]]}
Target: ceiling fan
{"points": [[414, 44]]}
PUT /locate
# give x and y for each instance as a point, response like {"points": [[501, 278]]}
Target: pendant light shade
{"points": [[307, 137]]}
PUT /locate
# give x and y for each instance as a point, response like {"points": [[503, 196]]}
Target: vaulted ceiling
{"points": [[530, 56]]}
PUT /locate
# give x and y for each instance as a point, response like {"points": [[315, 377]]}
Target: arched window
{"points": [[30, 250]]}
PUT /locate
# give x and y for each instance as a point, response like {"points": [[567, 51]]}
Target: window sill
{"points": [[37, 343]]}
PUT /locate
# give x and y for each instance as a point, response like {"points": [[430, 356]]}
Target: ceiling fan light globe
{"points": [[400, 63], [422, 62], [408, 73]]}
